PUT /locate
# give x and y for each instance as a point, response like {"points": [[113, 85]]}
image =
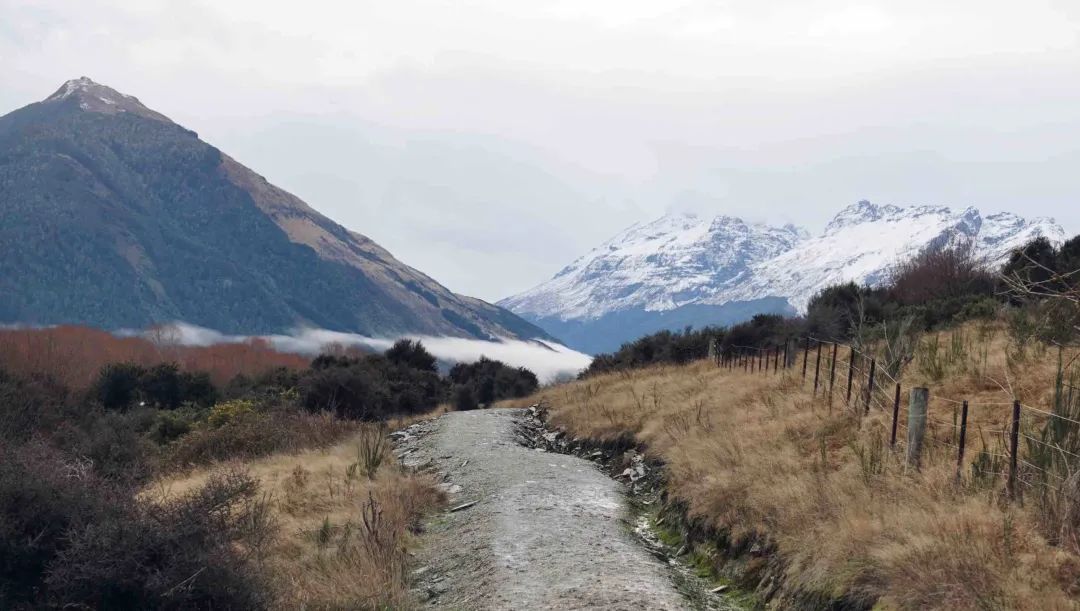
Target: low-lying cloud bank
{"points": [[549, 361]]}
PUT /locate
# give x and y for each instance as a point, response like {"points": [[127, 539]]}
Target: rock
{"points": [[551, 437]]}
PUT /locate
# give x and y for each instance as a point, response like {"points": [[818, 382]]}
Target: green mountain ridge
{"points": [[111, 215]]}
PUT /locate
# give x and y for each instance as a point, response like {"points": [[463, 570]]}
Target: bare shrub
{"points": [[72, 539], [940, 273]]}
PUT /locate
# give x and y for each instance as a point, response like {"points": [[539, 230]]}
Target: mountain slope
{"points": [[114, 216], [682, 270], [660, 275]]}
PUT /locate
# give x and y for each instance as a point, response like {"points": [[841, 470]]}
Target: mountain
{"points": [[685, 270], [114, 216]]}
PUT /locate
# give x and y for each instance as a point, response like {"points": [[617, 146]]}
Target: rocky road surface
{"points": [[547, 531]]}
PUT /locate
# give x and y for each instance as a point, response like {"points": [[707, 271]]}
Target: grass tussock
{"points": [[343, 517], [763, 460]]}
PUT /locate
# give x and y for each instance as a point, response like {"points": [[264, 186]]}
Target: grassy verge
{"points": [[342, 520], [770, 469]]}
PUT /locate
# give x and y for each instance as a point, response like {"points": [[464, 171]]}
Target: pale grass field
{"points": [[757, 456], [341, 538]]}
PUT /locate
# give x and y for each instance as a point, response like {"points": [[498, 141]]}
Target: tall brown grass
{"points": [[759, 458], [343, 524], [74, 355]]}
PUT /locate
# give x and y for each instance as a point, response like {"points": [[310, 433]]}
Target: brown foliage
{"points": [[74, 355], [937, 273]]}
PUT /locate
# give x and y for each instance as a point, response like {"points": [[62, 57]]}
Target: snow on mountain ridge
{"points": [[95, 97], [678, 260], [661, 265]]}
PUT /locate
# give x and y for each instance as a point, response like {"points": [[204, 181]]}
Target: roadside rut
{"points": [[548, 531]]}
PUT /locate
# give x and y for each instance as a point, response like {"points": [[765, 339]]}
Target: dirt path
{"points": [[548, 531]]}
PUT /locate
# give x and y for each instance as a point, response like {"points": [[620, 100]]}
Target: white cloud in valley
{"points": [[549, 361], [489, 142]]}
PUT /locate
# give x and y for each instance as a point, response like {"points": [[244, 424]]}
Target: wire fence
{"points": [[832, 369]]}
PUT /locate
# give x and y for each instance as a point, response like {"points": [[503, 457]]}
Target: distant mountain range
{"points": [[112, 215], [683, 269]]}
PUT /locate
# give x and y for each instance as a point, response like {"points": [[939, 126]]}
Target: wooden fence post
{"points": [[832, 372], [870, 385], [895, 415], [916, 424], [817, 369], [776, 361], [805, 358], [850, 373], [787, 361], [963, 438], [1014, 440]]}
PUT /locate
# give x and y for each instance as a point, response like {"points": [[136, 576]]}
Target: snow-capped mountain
{"points": [[657, 266], [682, 269], [864, 240]]}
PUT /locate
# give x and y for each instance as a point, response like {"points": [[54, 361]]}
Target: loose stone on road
{"points": [[547, 531]]}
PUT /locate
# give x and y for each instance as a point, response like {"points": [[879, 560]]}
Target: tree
{"points": [[412, 354]]}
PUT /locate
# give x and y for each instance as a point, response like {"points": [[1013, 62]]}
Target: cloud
{"points": [[549, 361]]}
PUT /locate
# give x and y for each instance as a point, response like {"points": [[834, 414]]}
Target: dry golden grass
{"points": [[757, 456], [341, 535]]}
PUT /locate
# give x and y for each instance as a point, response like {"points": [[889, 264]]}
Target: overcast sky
{"points": [[490, 142]]}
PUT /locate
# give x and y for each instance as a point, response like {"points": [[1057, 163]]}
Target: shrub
{"points": [[117, 385], [940, 274], [369, 388], [69, 538], [121, 385], [31, 404], [170, 426], [192, 552], [464, 398], [411, 354], [230, 411], [489, 380], [253, 435]]}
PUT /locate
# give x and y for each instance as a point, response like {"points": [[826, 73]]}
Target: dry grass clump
{"points": [[251, 434], [344, 521], [762, 460]]}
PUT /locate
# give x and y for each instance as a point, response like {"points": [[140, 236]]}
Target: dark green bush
{"points": [[412, 354], [123, 385], [464, 398], [489, 380]]}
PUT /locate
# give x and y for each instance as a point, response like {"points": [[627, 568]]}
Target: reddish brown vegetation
{"points": [[74, 355]]}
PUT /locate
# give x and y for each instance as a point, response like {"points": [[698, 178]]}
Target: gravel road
{"points": [[548, 531]]}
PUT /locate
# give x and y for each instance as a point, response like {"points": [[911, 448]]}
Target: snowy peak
{"points": [[95, 97], [967, 221], [672, 261], [680, 260]]}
